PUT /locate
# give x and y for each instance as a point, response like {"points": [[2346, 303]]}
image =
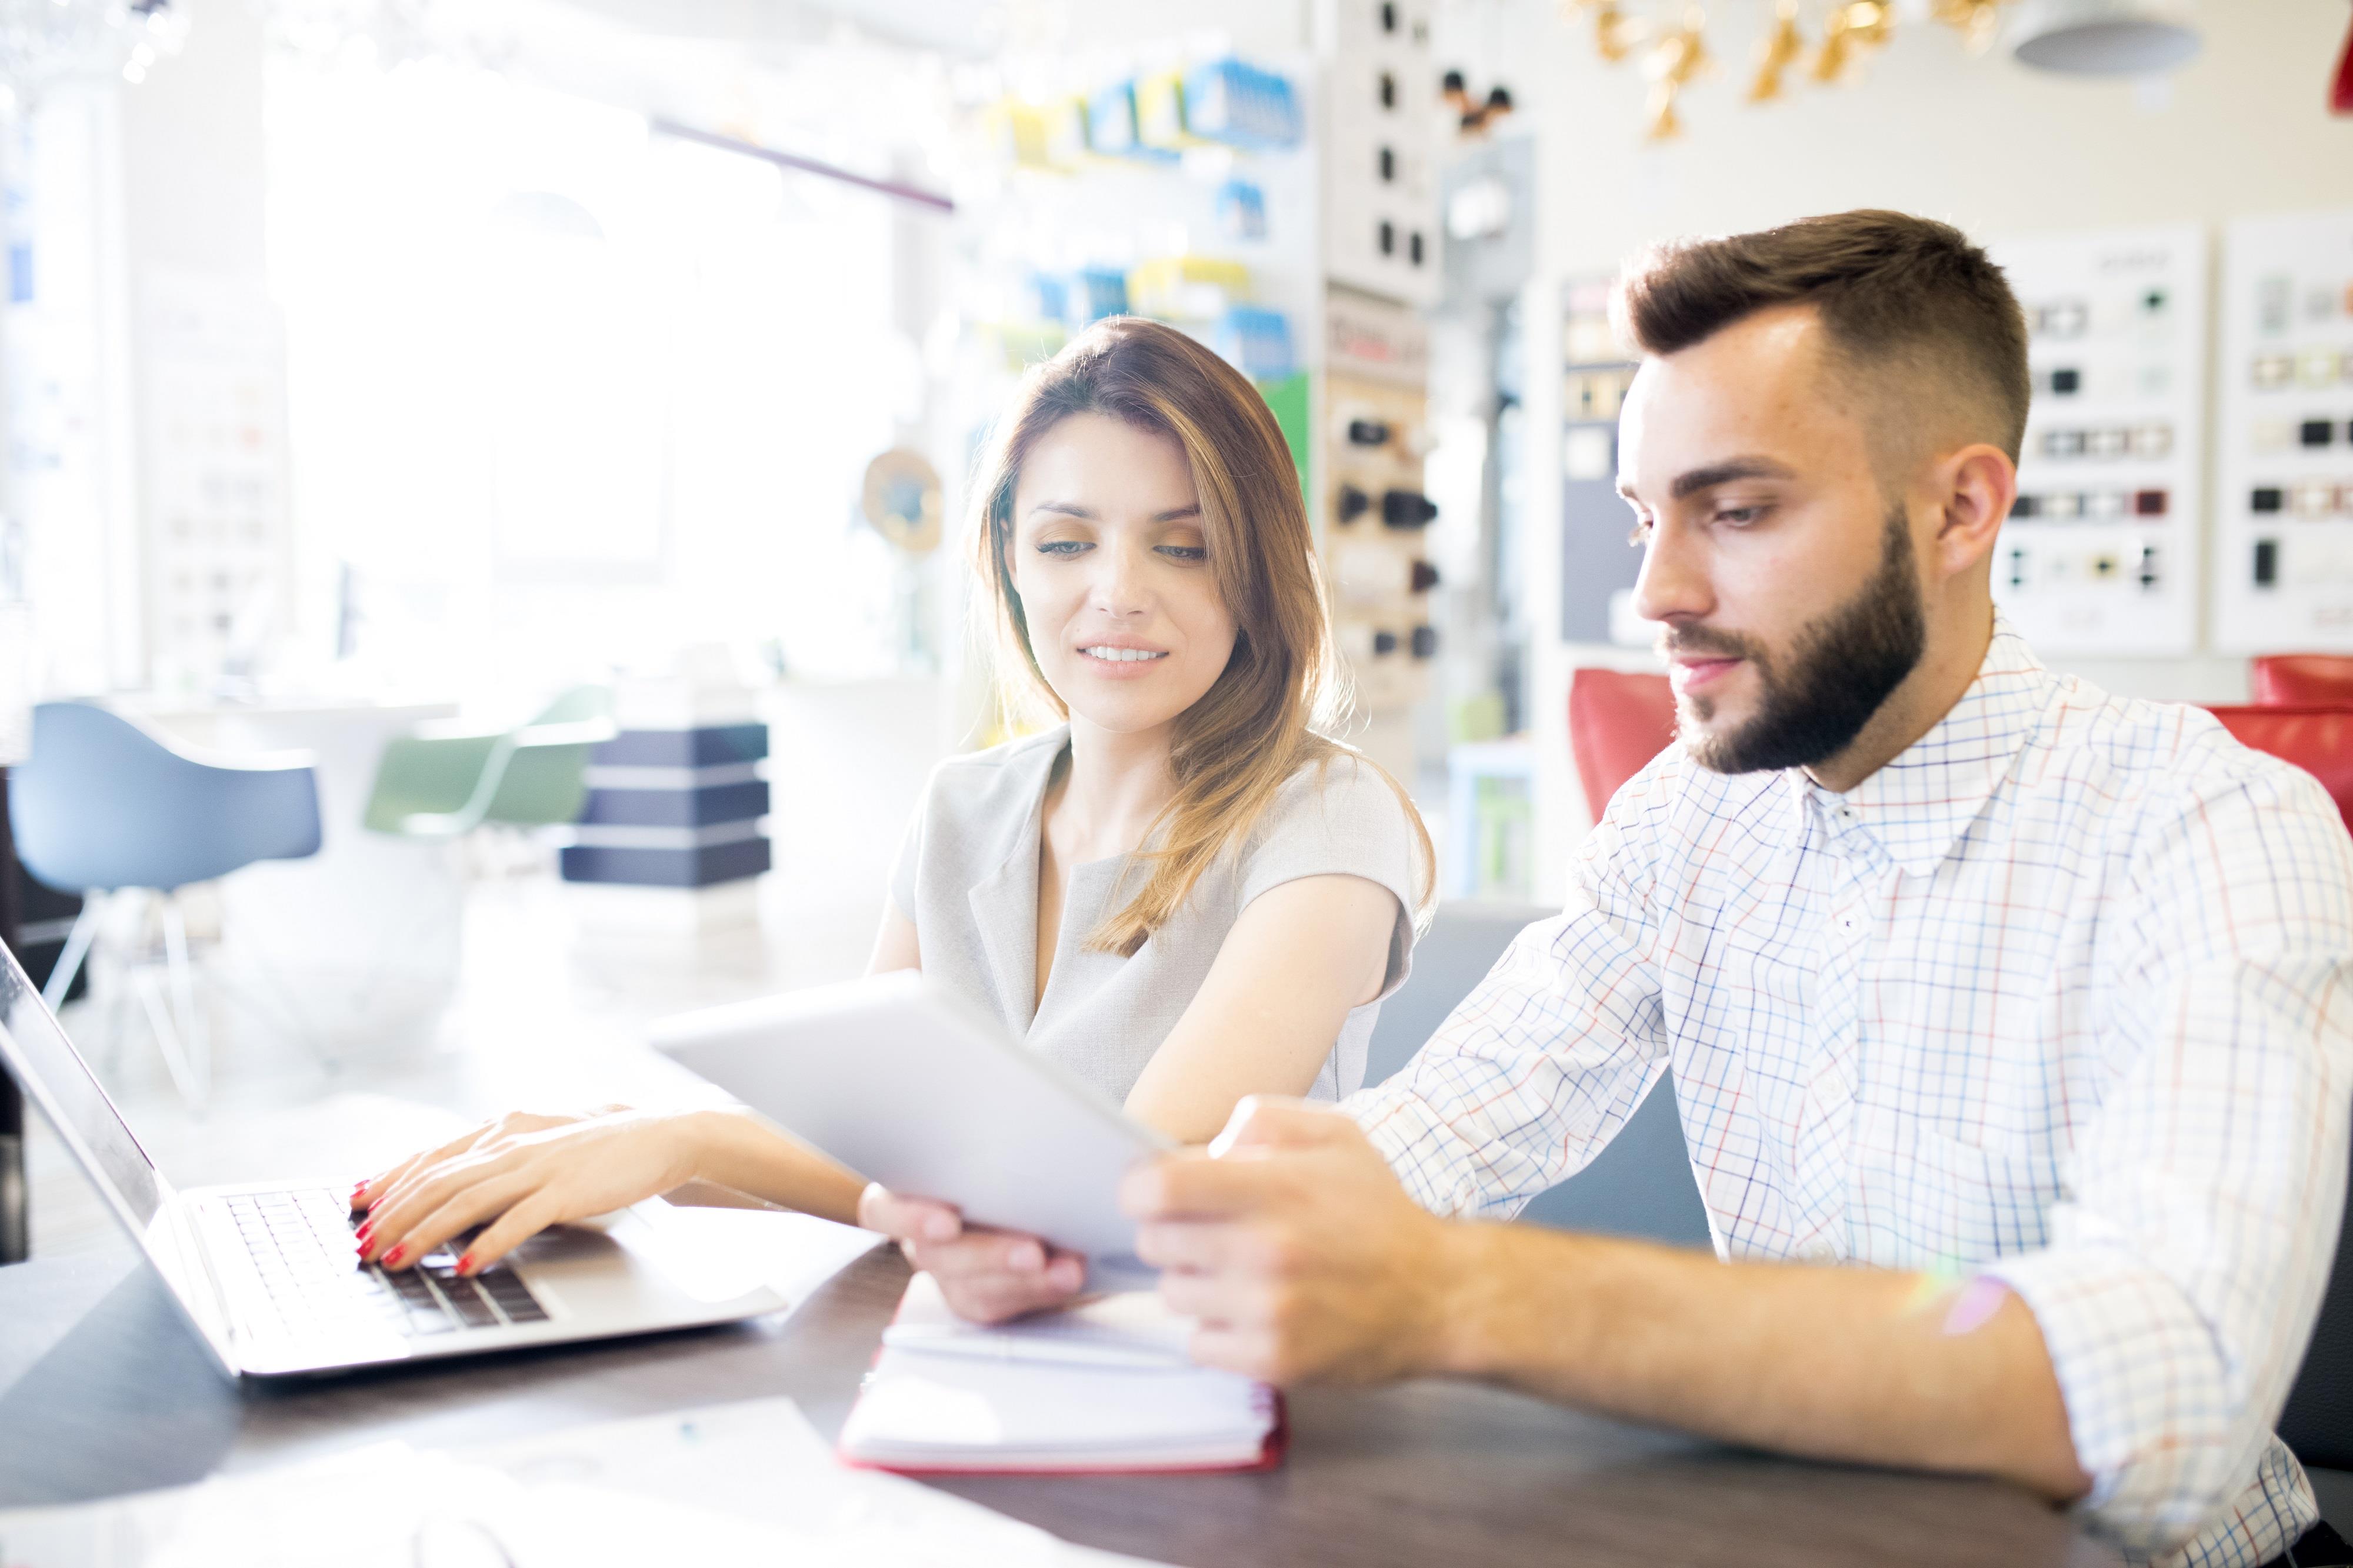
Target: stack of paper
{"points": [[1106, 1387], [727, 1484]]}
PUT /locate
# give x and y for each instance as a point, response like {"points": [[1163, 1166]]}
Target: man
{"points": [[2036, 1002]]}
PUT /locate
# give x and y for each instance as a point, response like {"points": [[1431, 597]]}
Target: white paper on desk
{"points": [[718, 1254], [735, 1483], [1122, 1319]]}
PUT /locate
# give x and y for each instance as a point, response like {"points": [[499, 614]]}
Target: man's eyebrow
{"points": [[1693, 481]]}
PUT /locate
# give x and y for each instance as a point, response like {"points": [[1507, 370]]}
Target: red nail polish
{"points": [[465, 1263], [392, 1259], [364, 1231]]}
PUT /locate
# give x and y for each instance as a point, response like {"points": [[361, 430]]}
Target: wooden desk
{"points": [[102, 1391]]}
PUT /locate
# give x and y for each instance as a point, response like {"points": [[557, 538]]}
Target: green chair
{"points": [[443, 782]]}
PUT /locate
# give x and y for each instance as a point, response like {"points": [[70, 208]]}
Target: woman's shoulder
{"points": [[1338, 801], [986, 780]]}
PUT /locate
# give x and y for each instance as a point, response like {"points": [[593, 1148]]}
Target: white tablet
{"points": [[901, 1080]]}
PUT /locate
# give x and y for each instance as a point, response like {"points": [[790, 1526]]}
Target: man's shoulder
{"points": [[1674, 795], [2153, 770], [2153, 754]]}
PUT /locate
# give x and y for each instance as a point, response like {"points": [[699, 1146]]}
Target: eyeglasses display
{"points": [[2099, 553], [2284, 527]]}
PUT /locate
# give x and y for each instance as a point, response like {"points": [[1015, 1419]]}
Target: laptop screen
{"points": [[55, 1078]]}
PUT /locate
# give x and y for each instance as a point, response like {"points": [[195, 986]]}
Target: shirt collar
{"points": [[1918, 805]]}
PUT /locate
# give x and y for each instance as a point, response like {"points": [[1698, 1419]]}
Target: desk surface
{"points": [[102, 1390]]}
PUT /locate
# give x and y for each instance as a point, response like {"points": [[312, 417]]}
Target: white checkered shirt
{"points": [[2062, 996]]}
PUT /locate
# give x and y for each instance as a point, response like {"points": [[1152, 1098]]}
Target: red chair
{"points": [[2304, 678], [2316, 738], [1618, 720]]}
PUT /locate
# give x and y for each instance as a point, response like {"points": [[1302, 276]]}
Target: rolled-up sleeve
{"points": [[2186, 1259], [1544, 1061]]}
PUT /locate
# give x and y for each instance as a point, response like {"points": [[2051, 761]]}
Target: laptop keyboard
{"points": [[302, 1244]]}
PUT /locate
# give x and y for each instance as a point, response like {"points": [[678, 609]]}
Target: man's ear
{"points": [[1972, 489]]}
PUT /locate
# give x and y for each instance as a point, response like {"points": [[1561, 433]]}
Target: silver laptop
{"points": [[268, 1274]]}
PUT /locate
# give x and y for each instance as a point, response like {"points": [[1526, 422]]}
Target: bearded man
{"points": [[2028, 1006]]}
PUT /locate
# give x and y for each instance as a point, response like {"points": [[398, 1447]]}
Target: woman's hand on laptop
{"points": [[516, 1176], [988, 1275]]}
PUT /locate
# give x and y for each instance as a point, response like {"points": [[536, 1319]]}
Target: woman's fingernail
{"points": [[392, 1259], [366, 1229], [465, 1263]]}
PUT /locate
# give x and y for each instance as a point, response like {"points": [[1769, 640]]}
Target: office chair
{"points": [[1618, 720], [2312, 679], [2318, 739], [443, 782], [1641, 1184], [106, 805]]}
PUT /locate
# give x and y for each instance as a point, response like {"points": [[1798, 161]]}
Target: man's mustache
{"points": [[1705, 642]]}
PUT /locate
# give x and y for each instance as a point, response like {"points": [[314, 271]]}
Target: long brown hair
{"points": [[1233, 750]]}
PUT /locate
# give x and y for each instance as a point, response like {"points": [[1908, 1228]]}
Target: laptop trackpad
{"points": [[639, 1256]]}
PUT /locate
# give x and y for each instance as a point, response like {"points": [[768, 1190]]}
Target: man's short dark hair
{"points": [[1893, 291]]}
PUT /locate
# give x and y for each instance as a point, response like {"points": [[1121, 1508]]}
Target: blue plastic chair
{"points": [[105, 804], [1641, 1184]]}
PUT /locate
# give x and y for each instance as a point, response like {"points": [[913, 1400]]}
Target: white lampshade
{"points": [[2103, 38]]}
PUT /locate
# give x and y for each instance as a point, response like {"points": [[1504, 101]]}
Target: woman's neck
{"points": [[1111, 790]]}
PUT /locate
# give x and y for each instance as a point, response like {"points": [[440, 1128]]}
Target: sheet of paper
{"points": [[1122, 1318], [732, 1483]]}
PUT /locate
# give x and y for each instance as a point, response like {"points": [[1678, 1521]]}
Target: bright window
{"points": [[563, 393]]}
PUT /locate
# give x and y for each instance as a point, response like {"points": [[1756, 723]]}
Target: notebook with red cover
{"points": [[1103, 1389]]}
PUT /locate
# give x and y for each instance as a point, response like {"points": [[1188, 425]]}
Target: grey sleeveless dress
{"points": [[967, 876]]}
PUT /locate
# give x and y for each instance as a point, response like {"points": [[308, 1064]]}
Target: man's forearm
{"points": [[1838, 1363]]}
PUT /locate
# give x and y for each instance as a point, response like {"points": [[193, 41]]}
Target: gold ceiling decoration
{"points": [[1614, 36], [1977, 20], [1858, 24], [1828, 39], [1778, 52]]}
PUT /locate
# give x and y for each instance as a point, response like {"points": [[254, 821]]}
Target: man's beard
{"points": [[1842, 667]]}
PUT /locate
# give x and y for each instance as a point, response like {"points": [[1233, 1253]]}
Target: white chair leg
{"points": [[167, 1037], [194, 1034], [119, 990], [77, 949]]}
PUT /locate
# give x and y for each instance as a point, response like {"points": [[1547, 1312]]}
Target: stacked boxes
{"points": [[674, 807]]}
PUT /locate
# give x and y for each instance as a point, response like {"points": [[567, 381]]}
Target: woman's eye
{"points": [[1062, 547], [1185, 552]]}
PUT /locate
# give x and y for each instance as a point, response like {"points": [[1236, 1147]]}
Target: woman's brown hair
{"points": [[1259, 723]]}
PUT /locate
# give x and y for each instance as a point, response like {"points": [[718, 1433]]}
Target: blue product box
{"points": [[1242, 106], [1257, 342]]}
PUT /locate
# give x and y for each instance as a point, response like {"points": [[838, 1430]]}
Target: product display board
{"points": [[2284, 536], [2101, 553], [1375, 511], [220, 543], [1380, 156]]}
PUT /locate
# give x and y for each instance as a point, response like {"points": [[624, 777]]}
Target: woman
{"points": [[1183, 892]]}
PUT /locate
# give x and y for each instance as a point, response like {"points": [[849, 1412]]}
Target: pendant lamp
{"points": [[2103, 38]]}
